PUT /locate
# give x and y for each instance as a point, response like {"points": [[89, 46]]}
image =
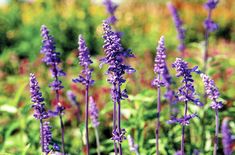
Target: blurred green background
{"points": [[142, 23]]}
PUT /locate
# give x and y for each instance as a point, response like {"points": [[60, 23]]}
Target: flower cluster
{"points": [[184, 120], [211, 4], [209, 24], [226, 137], [179, 26], [47, 136], [187, 91], [212, 92], [94, 113], [36, 97], [85, 61], [119, 137], [160, 63], [115, 55], [111, 8], [51, 57]]}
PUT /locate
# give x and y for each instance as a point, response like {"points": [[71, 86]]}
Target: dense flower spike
{"points": [[115, 56], [47, 136], [85, 79], [160, 63], [51, 57], [179, 26], [85, 61], [37, 99], [187, 91], [132, 146], [212, 92], [226, 137], [111, 8], [94, 113]]}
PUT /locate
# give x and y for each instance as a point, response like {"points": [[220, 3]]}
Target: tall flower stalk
{"points": [[213, 94], [85, 79], [115, 56], [210, 26], [186, 93], [179, 27], [159, 69], [52, 59], [40, 112], [94, 114]]}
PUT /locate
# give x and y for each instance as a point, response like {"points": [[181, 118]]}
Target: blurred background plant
{"points": [[142, 23]]}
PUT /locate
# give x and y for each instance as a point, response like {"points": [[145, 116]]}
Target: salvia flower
{"points": [[212, 92], [119, 137], [211, 4], [51, 57], [132, 146], [187, 91], [47, 136], [115, 55], [85, 61], [184, 120], [160, 62], [209, 24], [226, 137], [36, 97], [179, 26], [111, 8], [94, 112]]}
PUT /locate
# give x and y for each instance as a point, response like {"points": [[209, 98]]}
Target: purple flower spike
{"points": [[115, 58], [37, 99], [159, 66], [94, 113], [160, 63], [226, 137], [209, 24], [115, 55], [85, 61], [51, 57], [179, 26], [47, 136], [187, 91], [212, 92]]}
